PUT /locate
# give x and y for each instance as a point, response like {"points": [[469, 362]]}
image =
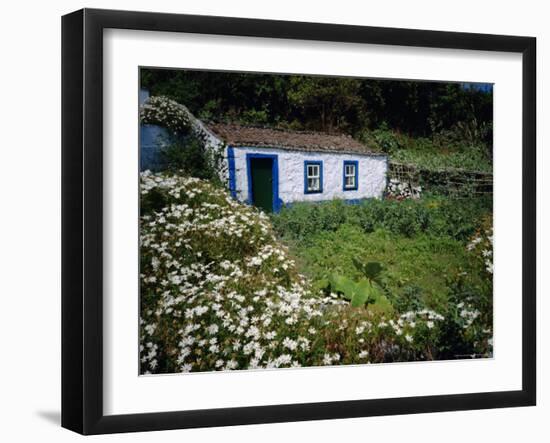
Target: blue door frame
{"points": [[275, 174]]}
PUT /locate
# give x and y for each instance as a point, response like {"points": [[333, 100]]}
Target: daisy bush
{"points": [[474, 305], [481, 245], [219, 292], [166, 113]]}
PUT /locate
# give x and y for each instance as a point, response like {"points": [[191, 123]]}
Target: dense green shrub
{"points": [[386, 140], [447, 149], [438, 216], [188, 155]]}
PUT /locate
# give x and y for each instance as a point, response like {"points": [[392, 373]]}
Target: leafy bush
{"points": [[187, 154], [386, 140], [368, 290], [455, 218], [456, 148]]}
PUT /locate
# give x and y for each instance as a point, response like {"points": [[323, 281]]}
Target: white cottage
{"points": [[271, 167]]}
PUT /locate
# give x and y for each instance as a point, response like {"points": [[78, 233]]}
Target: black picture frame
{"points": [[82, 215]]}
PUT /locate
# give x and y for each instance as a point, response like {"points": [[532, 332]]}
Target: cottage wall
{"points": [[371, 174]]}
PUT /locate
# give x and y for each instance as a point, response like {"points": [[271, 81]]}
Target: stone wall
{"points": [[409, 181]]}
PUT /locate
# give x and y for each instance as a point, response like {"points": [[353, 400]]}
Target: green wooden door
{"points": [[261, 172]]}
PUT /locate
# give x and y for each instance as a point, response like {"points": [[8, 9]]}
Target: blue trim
{"points": [[232, 175], [320, 164], [356, 164], [277, 202]]}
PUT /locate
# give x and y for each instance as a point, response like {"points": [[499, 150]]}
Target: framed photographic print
{"points": [[269, 221]]}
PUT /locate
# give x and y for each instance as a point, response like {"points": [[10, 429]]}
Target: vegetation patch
{"points": [[458, 219], [219, 292], [434, 253]]}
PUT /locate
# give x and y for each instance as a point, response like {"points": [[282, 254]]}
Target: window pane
{"points": [[313, 177], [313, 184], [350, 170], [313, 171]]}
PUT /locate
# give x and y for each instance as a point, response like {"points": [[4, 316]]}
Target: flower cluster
{"points": [[217, 291], [165, 112], [482, 245]]}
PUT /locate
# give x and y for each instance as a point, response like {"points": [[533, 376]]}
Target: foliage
{"points": [[468, 329], [416, 270], [472, 159], [329, 101], [218, 292], [430, 124], [352, 105], [385, 140], [360, 293], [222, 95], [436, 216], [437, 254], [368, 290], [187, 154], [461, 147], [420, 273]]}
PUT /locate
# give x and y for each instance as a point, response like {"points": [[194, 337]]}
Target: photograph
{"points": [[305, 221]]}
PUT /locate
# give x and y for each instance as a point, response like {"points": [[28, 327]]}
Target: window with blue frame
{"points": [[351, 171], [313, 177]]}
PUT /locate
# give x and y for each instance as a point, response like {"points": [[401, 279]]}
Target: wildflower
{"points": [[213, 329], [231, 364], [290, 344]]}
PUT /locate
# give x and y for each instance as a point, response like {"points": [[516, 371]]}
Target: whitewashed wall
{"points": [[371, 177]]}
